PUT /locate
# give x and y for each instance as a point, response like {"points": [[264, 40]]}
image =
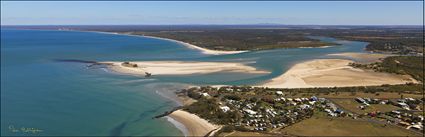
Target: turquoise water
{"points": [[65, 98]]}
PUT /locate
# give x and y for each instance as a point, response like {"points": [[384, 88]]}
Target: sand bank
{"points": [[363, 57], [332, 73], [181, 67], [194, 125], [203, 50]]}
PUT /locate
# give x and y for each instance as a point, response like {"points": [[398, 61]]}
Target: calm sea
{"points": [[66, 98]]}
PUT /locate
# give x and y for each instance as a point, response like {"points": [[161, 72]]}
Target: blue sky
{"points": [[139, 12]]}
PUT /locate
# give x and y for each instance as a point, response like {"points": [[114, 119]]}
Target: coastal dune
{"points": [[332, 73], [181, 67], [195, 125]]}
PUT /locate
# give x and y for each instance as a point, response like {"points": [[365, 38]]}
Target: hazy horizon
{"points": [[212, 13]]}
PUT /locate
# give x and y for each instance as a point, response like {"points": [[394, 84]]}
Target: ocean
{"points": [[66, 98]]}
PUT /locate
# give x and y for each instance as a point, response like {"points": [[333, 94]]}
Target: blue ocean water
{"points": [[65, 98]]}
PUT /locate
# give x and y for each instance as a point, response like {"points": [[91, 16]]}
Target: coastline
{"points": [[191, 46], [332, 73], [188, 45], [193, 125]]}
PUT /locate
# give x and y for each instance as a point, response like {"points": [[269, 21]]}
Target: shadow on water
{"points": [[117, 130], [75, 61]]}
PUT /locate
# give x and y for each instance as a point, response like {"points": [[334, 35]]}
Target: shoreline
{"points": [[188, 45], [193, 124], [178, 125], [181, 68], [191, 46]]}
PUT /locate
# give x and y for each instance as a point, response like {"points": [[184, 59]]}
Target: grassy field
{"points": [[353, 106], [344, 95], [320, 125], [243, 134]]}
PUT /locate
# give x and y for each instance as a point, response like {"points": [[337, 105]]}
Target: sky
{"points": [[204, 12]]}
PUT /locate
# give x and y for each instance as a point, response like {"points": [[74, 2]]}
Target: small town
{"points": [[270, 110]]}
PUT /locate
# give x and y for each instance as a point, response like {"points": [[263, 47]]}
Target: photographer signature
{"points": [[30, 130]]}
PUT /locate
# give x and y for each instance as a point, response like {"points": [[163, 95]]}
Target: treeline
{"points": [[241, 39], [208, 108], [399, 40], [405, 65]]}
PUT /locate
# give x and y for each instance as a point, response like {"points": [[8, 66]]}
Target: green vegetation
{"points": [[396, 39], [405, 65], [391, 39], [209, 109], [240, 39]]}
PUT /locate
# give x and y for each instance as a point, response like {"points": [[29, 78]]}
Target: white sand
{"points": [[332, 73], [203, 50], [195, 126], [363, 57], [182, 68]]}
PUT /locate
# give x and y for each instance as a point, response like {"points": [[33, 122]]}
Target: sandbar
{"points": [[182, 67], [332, 73]]}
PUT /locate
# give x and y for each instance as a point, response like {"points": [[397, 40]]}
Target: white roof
{"points": [[225, 108]]}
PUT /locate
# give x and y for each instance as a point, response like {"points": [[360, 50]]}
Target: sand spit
{"points": [[181, 67], [332, 73]]}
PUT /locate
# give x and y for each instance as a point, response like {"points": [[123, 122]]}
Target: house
{"points": [[297, 100], [417, 127], [313, 98], [204, 94], [402, 123], [225, 108], [279, 92], [396, 112], [249, 111], [304, 106], [360, 100], [403, 105]]}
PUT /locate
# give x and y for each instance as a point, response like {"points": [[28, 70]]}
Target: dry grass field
{"points": [[320, 125], [353, 106]]}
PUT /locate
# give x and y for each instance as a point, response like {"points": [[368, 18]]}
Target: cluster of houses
{"points": [[406, 104], [260, 117], [404, 117], [273, 109]]}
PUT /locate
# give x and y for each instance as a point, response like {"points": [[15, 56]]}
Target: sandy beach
{"points": [[363, 57], [332, 73], [182, 67], [191, 46], [194, 125]]}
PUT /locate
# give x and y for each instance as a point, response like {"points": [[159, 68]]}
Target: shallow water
{"points": [[64, 98]]}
